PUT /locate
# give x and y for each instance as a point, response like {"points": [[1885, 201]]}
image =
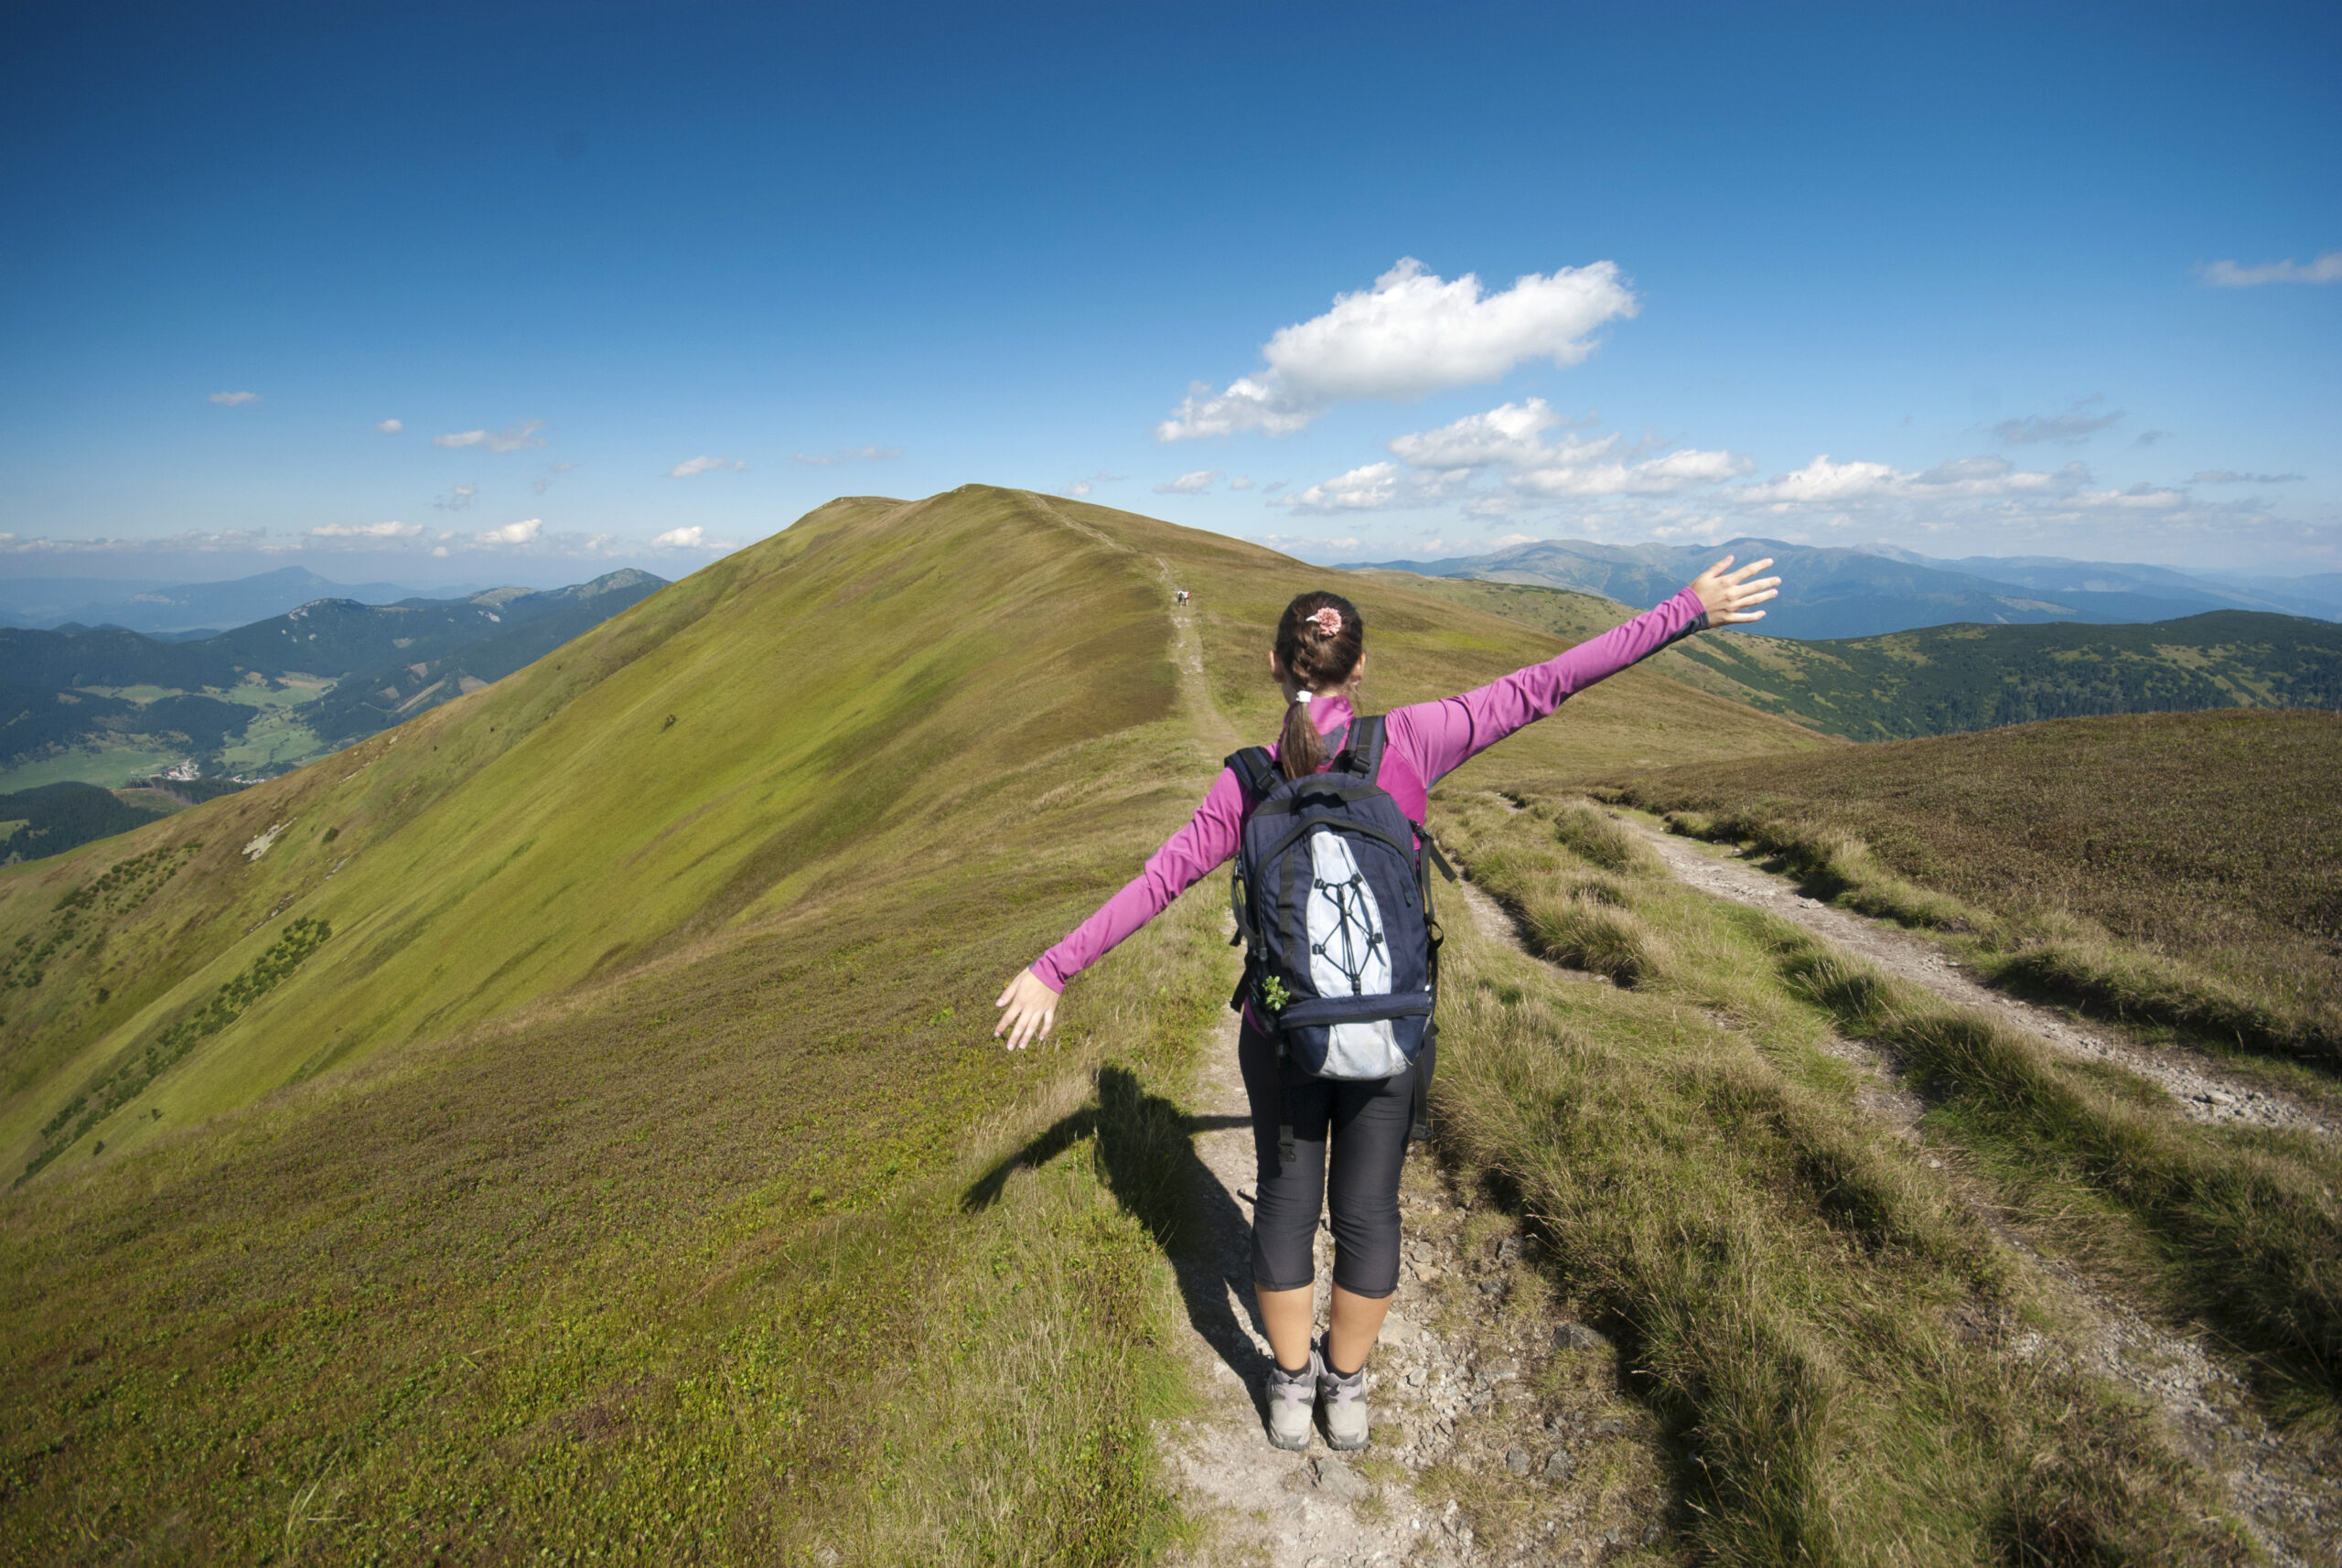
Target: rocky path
{"points": [[1576, 1474], [2201, 1087], [1312, 1511]]}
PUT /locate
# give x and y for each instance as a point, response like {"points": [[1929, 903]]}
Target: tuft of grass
{"points": [[1602, 840], [1585, 928]]}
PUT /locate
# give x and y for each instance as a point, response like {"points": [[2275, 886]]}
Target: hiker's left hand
{"points": [[1028, 1011], [1728, 596]]}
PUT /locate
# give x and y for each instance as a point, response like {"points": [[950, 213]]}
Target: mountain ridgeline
{"points": [[1949, 679], [103, 704], [1832, 593]]}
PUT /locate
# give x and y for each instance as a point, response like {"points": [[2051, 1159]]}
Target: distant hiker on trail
{"points": [[1183, 595], [1333, 901]]}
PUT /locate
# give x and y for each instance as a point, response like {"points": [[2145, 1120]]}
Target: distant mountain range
{"points": [[162, 608], [103, 707], [1865, 592], [1948, 680]]}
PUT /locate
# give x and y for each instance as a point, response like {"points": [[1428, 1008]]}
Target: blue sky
{"points": [[2018, 280]]}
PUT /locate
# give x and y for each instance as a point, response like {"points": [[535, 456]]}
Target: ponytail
{"points": [[1320, 639], [1301, 750]]}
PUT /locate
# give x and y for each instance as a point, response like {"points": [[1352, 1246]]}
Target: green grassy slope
{"points": [[1949, 679], [572, 1092]]}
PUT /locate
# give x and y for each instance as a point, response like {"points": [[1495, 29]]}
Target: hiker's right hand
{"points": [[1028, 1011]]}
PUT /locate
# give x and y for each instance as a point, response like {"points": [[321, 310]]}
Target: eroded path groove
{"points": [[2200, 1088]]}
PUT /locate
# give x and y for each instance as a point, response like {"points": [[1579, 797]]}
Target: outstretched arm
{"points": [[1028, 1007], [1441, 736]]}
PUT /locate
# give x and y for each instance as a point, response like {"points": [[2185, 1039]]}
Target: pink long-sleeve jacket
{"points": [[1423, 743]]}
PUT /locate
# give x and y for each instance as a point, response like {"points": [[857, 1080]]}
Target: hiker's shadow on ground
{"points": [[1146, 1151]]}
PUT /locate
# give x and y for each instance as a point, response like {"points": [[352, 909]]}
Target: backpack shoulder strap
{"points": [[1365, 749], [1256, 770]]}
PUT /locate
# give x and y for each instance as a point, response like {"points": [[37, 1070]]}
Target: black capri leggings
{"points": [[1366, 1122]]}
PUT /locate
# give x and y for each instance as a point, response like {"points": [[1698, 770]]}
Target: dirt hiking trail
{"points": [[1445, 1383], [2203, 1090]]}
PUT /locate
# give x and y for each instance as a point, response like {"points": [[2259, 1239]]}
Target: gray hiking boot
{"points": [[1291, 1395], [1343, 1400]]}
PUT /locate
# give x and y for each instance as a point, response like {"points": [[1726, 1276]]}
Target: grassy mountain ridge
{"points": [[1952, 678], [647, 1038]]}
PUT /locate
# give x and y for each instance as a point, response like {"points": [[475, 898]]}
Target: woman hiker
{"points": [[1319, 659]]}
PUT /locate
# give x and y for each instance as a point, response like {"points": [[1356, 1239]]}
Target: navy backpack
{"points": [[1333, 907]]}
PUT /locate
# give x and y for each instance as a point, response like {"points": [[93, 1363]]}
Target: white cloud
{"points": [[1196, 484], [457, 499], [1240, 482], [234, 399], [1078, 488], [2231, 476], [1413, 334], [1272, 487], [254, 539], [1510, 434], [523, 532], [692, 538], [1510, 441], [391, 426], [1822, 483], [2075, 424], [1291, 543], [692, 468], [1588, 471], [2138, 498], [2327, 268], [368, 529], [1825, 483], [1377, 486], [846, 455], [521, 437]]}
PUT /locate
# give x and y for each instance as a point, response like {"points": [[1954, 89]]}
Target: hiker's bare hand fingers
{"points": [[1029, 1010]]}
